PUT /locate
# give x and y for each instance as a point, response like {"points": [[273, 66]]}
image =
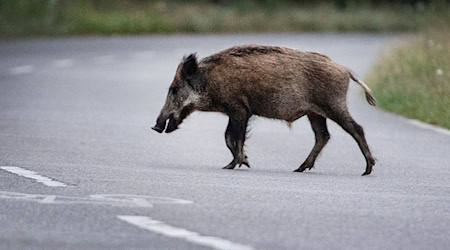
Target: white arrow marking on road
{"points": [[129, 200], [159, 227], [33, 175], [49, 199], [20, 70]]}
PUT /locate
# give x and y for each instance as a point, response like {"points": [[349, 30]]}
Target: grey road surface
{"points": [[78, 112]]}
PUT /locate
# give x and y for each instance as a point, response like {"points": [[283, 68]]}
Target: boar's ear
{"points": [[190, 66]]}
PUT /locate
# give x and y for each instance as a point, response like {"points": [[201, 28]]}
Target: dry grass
{"points": [[415, 80]]}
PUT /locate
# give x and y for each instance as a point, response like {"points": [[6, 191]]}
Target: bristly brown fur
{"points": [[241, 51], [251, 50]]}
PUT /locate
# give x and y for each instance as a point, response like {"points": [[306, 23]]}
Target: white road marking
{"points": [[141, 200], [119, 200], [63, 63], [33, 175], [49, 199], [159, 227], [20, 70]]}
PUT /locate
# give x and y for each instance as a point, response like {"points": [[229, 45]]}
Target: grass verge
{"points": [[414, 81], [41, 17]]}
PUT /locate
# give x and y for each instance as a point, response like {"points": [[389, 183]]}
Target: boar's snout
{"points": [[158, 129], [160, 124]]}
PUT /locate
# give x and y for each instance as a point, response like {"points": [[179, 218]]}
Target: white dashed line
{"points": [[159, 227], [33, 175], [63, 63], [20, 70]]}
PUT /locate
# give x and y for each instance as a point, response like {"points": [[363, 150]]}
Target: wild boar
{"points": [[268, 81]]}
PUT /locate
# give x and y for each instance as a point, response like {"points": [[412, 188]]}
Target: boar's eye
{"points": [[174, 90]]}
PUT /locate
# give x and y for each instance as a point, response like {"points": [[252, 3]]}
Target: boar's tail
{"points": [[369, 96]]}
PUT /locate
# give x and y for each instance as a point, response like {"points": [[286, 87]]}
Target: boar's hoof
{"points": [[158, 129], [303, 167], [368, 171], [235, 162], [232, 165], [245, 162]]}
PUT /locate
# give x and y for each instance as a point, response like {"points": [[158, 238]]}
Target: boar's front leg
{"points": [[319, 126], [235, 138]]}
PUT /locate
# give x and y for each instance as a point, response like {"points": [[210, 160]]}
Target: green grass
{"points": [[415, 80], [41, 17]]}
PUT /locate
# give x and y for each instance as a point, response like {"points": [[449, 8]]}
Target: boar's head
{"points": [[182, 98]]}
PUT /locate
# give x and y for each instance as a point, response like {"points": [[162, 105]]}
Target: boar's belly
{"points": [[284, 103], [281, 110]]}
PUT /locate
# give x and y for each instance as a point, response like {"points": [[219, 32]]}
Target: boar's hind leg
{"points": [[319, 126], [345, 120], [235, 138]]}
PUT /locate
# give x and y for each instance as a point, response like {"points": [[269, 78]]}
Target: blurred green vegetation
{"points": [[72, 17], [414, 80]]}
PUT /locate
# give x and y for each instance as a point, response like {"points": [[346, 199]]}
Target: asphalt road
{"points": [[78, 112]]}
